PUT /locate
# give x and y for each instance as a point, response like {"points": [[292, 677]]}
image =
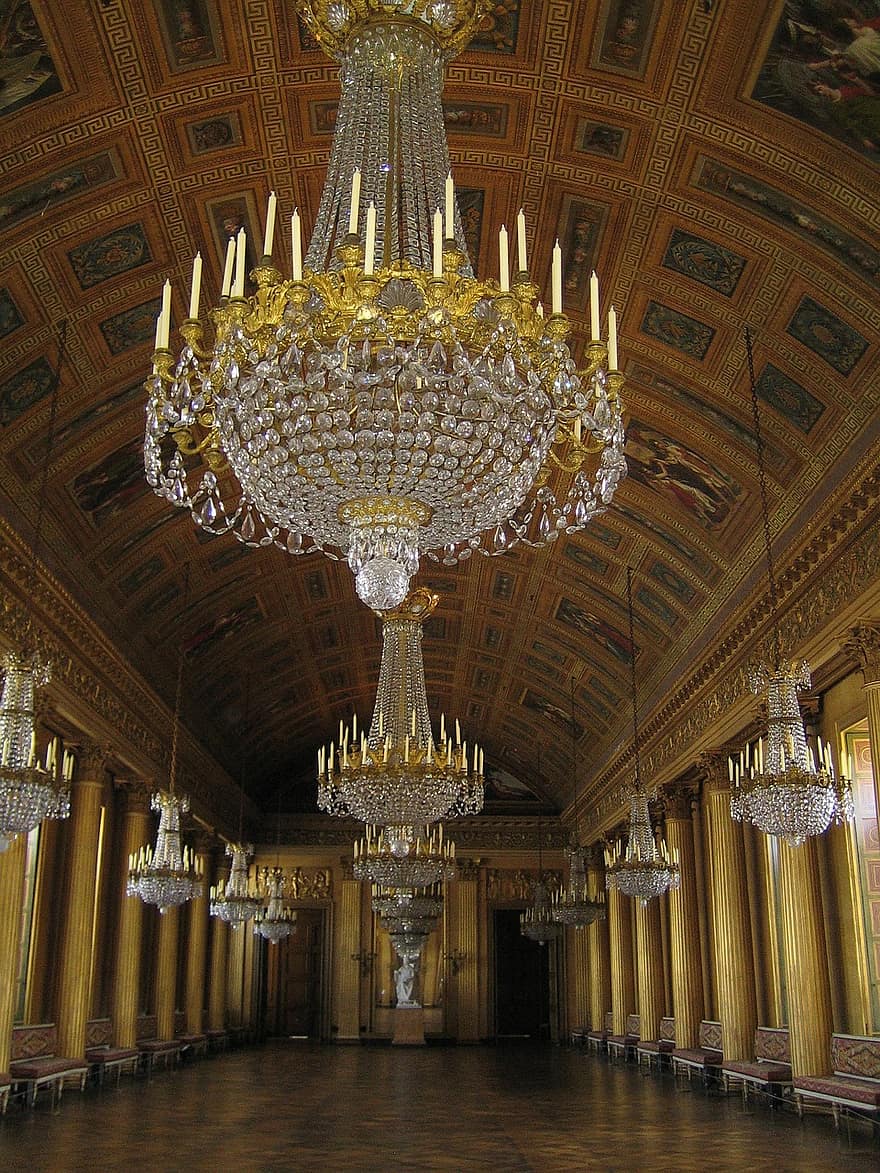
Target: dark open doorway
{"points": [[522, 984]]}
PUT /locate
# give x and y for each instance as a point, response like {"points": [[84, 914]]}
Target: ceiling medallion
{"points": [[381, 403]]}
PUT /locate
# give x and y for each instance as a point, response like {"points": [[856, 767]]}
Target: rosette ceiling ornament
{"points": [[383, 404], [396, 775]]}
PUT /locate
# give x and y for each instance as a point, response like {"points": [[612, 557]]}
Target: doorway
{"points": [[522, 981], [294, 985]]}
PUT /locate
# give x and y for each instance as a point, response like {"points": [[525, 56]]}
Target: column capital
{"points": [[346, 862], [91, 759], [678, 801], [137, 794], [864, 645], [202, 840], [713, 767], [469, 869]]}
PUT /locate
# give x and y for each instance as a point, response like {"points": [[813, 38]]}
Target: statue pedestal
{"points": [[409, 1027]]}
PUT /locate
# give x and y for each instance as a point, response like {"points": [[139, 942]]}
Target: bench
{"points": [[598, 1039], [706, 1058], [652, 1049], [5, 1089], [855, 1084], [769, 1071], [153, 1050], [192, 1043], [218, 1040], [577, 1036], [35, 1065], [624, 1045], [103, 1056]]}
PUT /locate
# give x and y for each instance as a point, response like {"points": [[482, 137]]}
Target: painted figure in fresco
{"points": [[663, 464]]}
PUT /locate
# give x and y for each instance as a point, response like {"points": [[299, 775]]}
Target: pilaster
{"points": [[12, 862], [127, 964], [620, 940], [166, 972], [684, 919]]}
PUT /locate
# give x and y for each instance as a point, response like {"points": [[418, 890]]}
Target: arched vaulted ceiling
{"points": [[715, 162]]}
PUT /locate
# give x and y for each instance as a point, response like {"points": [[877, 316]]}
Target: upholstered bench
{"points": [[598, 1039], [218, 1040], [153, 1050], [624, 1046], [5, 1089], [855, 1084], [769, 1071], [706, 1058], [35, 1065], [192, 1045], [650, 1049], [577, 1036], [103, 1056]]}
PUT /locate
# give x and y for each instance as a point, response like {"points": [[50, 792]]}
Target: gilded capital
{"points": [[469, 869], [713, 766], [346, 862], [678, 801], [137, 794], [91, 760], [864, 645]]}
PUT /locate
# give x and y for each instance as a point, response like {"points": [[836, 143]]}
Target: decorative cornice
{"points": [[480, 833]]}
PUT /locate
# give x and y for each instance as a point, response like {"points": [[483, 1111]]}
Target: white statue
{"points": [[404, 978]]}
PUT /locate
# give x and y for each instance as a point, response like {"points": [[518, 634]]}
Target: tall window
{"points": [[858, 748], [32, 851]]}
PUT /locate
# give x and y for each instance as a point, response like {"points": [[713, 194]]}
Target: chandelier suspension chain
{"points": [[765, 509], [632, 665], [178, 693]]}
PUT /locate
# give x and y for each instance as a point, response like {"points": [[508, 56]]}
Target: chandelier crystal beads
{"points": [[574, 906], [537, 921], [397, 776], [274, 922], [165, 875], [429, 860], [383, 404], [235, 903], [644, 870], [30, 790], [777, 784]]}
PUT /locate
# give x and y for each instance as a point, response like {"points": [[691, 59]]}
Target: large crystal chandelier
{"points": [[382, 404], [778, 785], [30, 790], [537, 921], [644, 870], [397, 776], [430, 859], [235, 903], [275, 921], [574, 906], [408, 916], [166, 875]]}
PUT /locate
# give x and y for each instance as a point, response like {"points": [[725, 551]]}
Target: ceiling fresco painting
{"points": [[716, 164]]}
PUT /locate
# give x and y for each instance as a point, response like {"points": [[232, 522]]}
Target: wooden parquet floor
{"points": [[501, 1109]]}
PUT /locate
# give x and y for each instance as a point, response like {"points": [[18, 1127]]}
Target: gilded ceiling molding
{"points": [[687, 717], [102, 694], [864, 645]]}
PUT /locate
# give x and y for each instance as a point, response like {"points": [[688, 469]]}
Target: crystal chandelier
{"points": [[383, 404], [397, 776], [409, 917], [645, 869], [430, 859], [274, 922], [777, 785], [235, 903], [30, 790], [165, 875], [573, 905], [537, 921]]}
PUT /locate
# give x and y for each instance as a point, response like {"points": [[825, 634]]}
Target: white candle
{"points": [[370, 243], [503, 260], [522, 260], [594, 307], [227, 268], [163, 333], [196, 287], [296, 245], [355, 201], [269, 235], [450, 207], [240, 250], [438, 243], [556, 282], [612, 340]]}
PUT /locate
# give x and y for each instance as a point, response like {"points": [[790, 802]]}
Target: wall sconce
{"points": [[365, 960], [456, 959]]}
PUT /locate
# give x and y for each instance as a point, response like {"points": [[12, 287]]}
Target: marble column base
{"points": [[409, 1027]]}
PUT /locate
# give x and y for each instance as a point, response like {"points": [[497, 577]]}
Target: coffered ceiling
{"points": [[715, 162]]}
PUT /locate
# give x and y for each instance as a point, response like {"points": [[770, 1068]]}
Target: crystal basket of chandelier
{"points": [[234, 902], [167, 875], [429, 858], [275, 922]]}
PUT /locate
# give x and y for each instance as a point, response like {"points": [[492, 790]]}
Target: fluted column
{"points": [[806, 961], [166, 972], [466, 941], [235, 991], [649, 967], [127, 964], [217, 983], [578, 984], [864, 643], [74, 987], [597, 944], [197, 943], [735, 976], [352, 957], [684, 918], [620, 940], [12, 862]]}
